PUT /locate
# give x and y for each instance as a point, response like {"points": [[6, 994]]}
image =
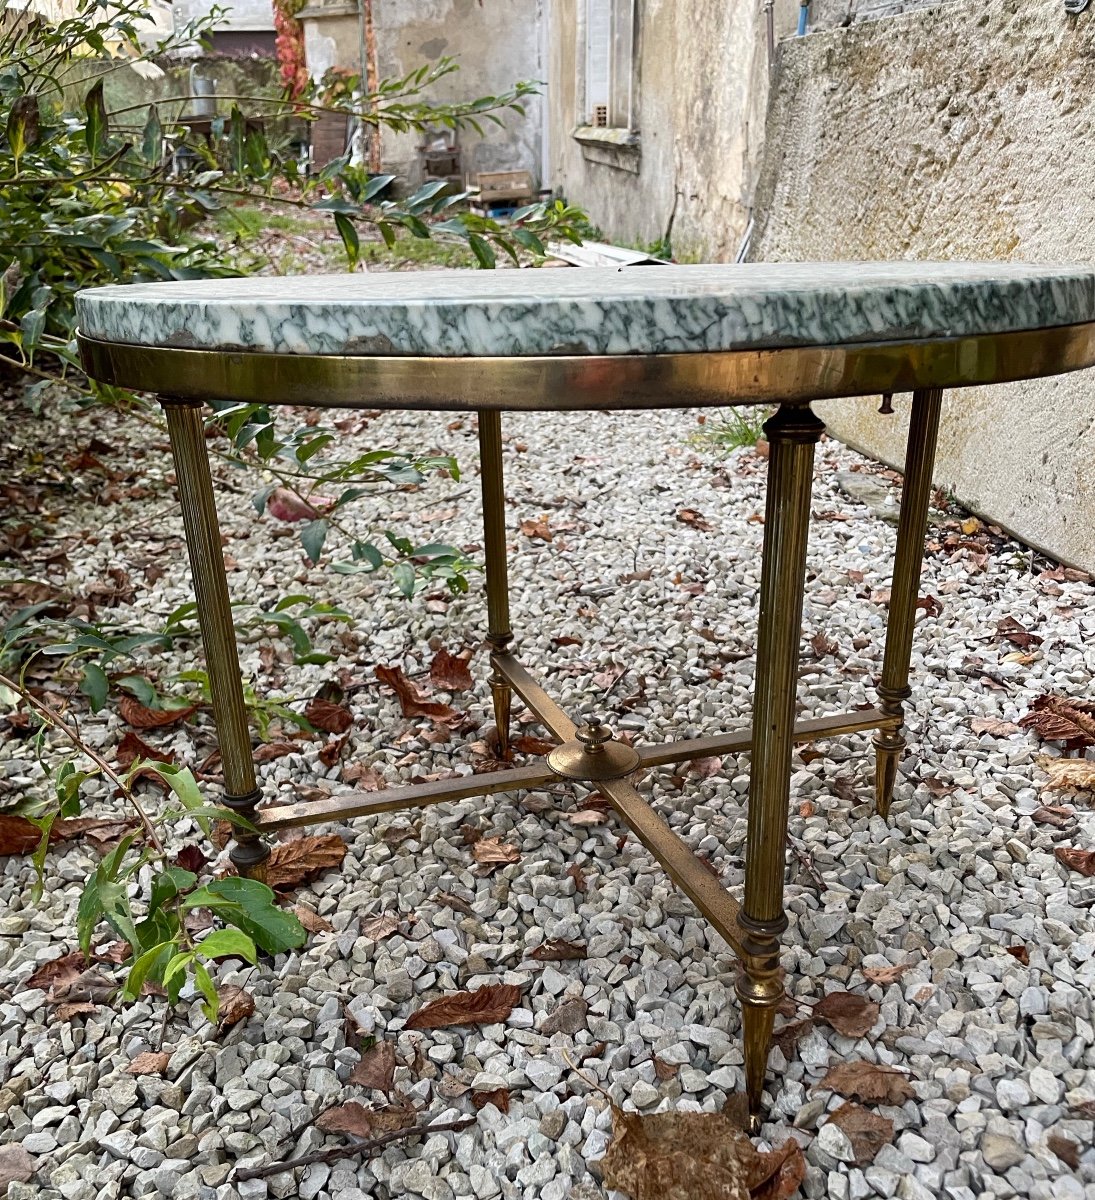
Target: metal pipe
{"points": [[803, 15]]}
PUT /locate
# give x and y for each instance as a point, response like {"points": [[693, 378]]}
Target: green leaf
{"points": [[143, 967], [237, 141], [312, 537], [482, 249], [403, 575], [88, 913], [168, 883], [350, 240], [250, 906], [229, 943], [95, 127], [181, 782], [204, 984], [152, 138], [178, 964], [95, 686]]}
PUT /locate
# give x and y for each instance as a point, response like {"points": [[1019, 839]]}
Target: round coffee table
{"points": [[640, 337]]}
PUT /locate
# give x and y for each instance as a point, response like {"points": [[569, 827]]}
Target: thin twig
{"points": [[806, 861], [52, 717], [333, 1155]]}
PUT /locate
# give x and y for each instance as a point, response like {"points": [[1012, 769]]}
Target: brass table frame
{"points": [[789, 378]]}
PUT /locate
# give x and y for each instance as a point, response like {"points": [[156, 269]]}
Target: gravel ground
{"points": [[1000, 1052]]}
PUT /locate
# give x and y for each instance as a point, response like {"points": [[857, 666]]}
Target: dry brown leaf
{"points": [[151, 1062], [112, 952], [356, 1119], [376, 1068], [1061, 719], [493, 852], [1082, 861], [293, 863], [558, 950], [566, 640], [58, 973], [1065, 1148], [867, 1131], [1021, 953], [575, 872], [450, 1087], [1065, 773], [689, 516], [456, 903], [136, 714], [132, 747], [380, 927], [886, 975], [822, 645], [696, 1156], [449, 673], [993, 726], [19, 836], [485, 1006], [269, 751], [867, 1081], [937, 786], [586, 816], [850, 1015], [537, 529], [235, 1005], [788, 1036], [311, 920], [525, 743], [75, 1008], [412, 702], [1010, 630], [368, 779], [663, 1070], [499, 1097], [328, 716]]}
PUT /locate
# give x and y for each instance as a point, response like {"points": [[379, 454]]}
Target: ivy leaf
{"points": [[95, 128]]}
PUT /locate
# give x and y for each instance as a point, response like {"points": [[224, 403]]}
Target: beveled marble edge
{"points": [[592, 311]]}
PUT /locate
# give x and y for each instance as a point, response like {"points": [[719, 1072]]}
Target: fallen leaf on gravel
{"points": [[235, 1005], [376, 1068], [565, 640], [90, 987], [332, 752], [587, 816], [112, 952], [930, 605], [134, 713], [400, 832], [1082, 861], [288, 506], [293, 863], [75, 1008], [994, 726], [938, 787], [576, 873], [485, 1006], [16, 1166], [822, 645], [1067, 773], [412, 702], [525, 743], [269, 751], [456, 903], [58, 972], [705, 767], [450, 1087], [1060, 719], [867, 1131], [450, 673], [1021, 953], [367, 778], [788, 1036], [133, 747], [356, 1119], [19, 836], [101, 835], [1053, 814], [558, 950], [886, 974], [378, 928], [311, 920], [689, 516], [849, 1014], [1065, 1148], [190, 858], [151, 1062], [665, 1071], [493, 852], [1010, 630], [328, 716], [536, 529], [696, 1156], [499, 1097], [868, 1082]]}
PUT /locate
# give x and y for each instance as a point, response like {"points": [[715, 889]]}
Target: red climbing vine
{"points": [[289, 45]]}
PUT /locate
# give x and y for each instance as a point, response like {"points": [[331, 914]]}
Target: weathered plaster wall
{"points": [[701, 83], [240, 14], [952, 133], [496, 42]]}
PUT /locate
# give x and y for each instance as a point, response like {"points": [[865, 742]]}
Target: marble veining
{"points": [[594, 310]]}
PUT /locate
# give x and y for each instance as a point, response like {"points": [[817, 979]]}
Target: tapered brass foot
{"points": [[502, 697], [760, 990], [889, 744]]}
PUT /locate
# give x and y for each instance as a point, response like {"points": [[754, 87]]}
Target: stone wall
{"points": [[496, 42], [957, 134], [701, 85]]}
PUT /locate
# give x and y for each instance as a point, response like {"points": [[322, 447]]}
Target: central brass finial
{"points": [[592, 755]]}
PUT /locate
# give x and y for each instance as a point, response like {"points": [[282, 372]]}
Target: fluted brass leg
{"points": [[184, 423], [889, 741], [499, 634], [791, 435]]}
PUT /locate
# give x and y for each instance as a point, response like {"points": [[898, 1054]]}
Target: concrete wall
{"points": [[496, 42], [957, 134], [241, 14], [701, 79]]}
